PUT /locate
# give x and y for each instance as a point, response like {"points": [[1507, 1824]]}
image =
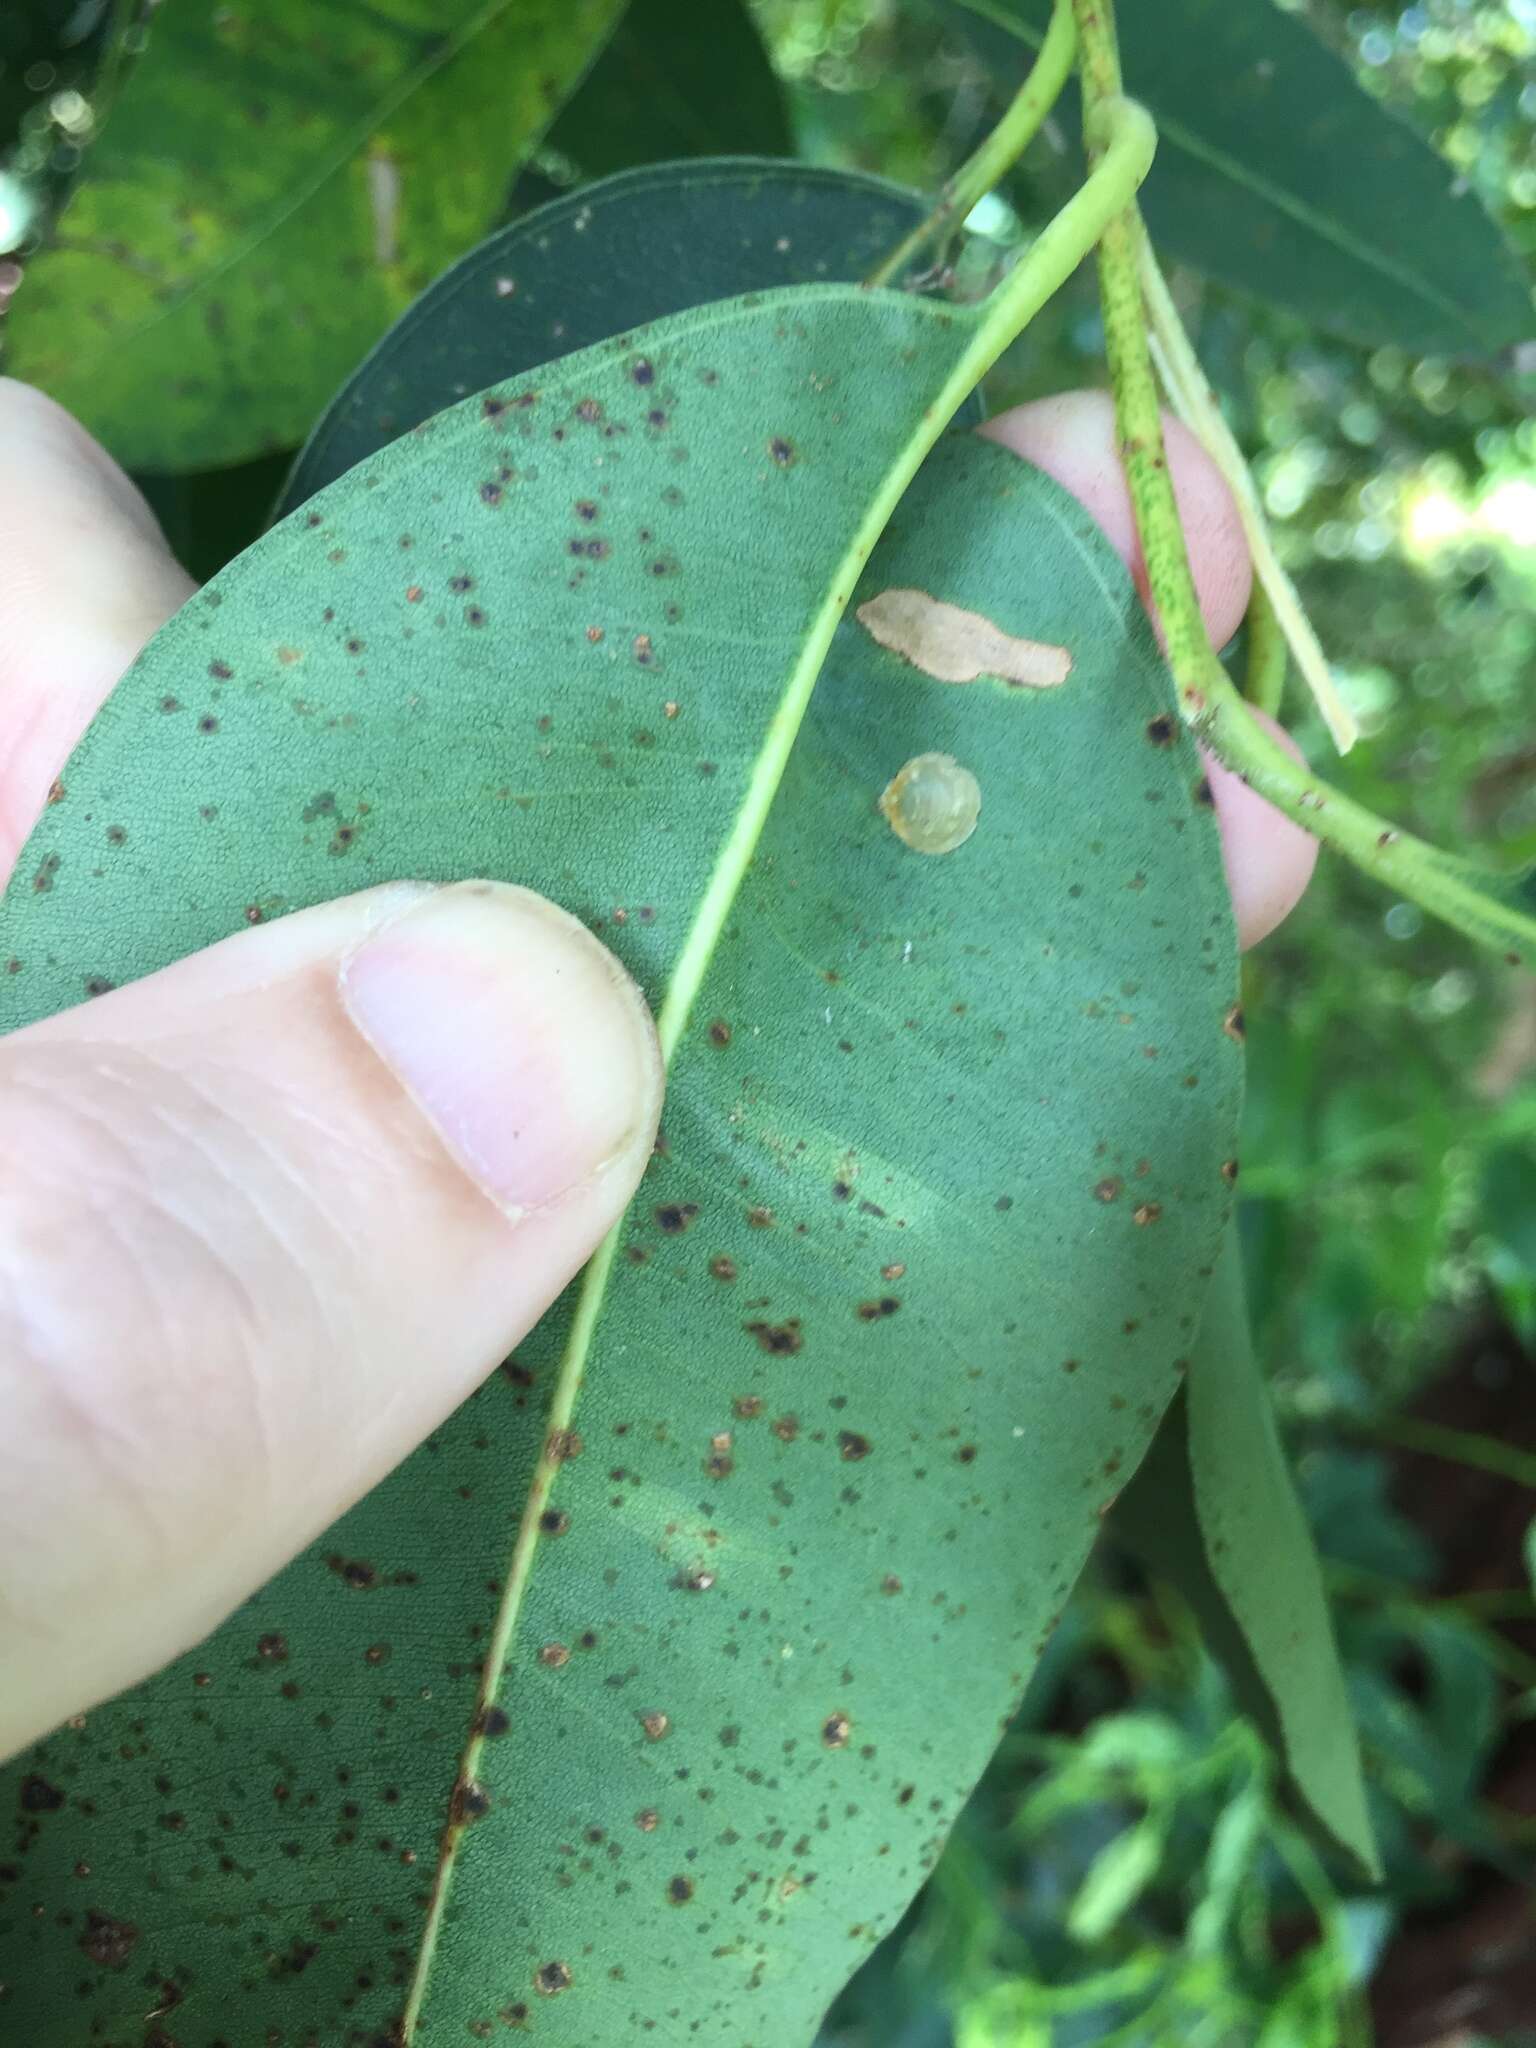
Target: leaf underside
{"points": [[1212, 1508], [1277, 174], [271, 191], [596, 263], [898, 1307]]}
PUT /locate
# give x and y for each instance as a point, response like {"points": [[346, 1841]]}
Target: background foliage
{"points": [[1129, 1871]]}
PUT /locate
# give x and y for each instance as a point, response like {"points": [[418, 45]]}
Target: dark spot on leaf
{"points": [[1109, 1189], [787, 1428], [1229, 1171], [469, 1802], [1205, 796], [491, 494], [853, 1446], [495, 1721], [782, 451], [108, 1942], [723, 1268], [643, 372], [220, 671], [675, 1217], [835, 1731], [207, 723], [553, 1522], [272, 1649], [353, 1571], [551, 1978], [781, 1339], [966, 1455], [679, 1890], [1235, 1024], [1160, 730], [36, 1795], [720, 1032]]}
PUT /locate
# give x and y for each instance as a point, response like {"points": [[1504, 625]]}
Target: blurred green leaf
{"points": [[274, 186], [1277, 174], [1117, 1878], [666, 88]]}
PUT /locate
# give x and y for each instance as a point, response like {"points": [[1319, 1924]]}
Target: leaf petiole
{"points": [[1001, 149], [1483, 906]]}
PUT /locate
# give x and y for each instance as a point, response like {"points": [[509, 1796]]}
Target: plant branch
{"points": [[1482, 906], [1001, 149], [1195, 403]]}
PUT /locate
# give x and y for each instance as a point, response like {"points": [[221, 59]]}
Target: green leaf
{"points": [[663, 89], [1213, 1510], [275, 185], [600, 262], [1116, 1879], [1277, 174], [827, 1431]]}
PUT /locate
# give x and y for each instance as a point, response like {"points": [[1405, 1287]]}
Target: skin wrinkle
{"points": [[156, 1264]]}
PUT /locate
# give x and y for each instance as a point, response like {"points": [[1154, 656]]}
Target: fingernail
{"points": [[518, 1036]]}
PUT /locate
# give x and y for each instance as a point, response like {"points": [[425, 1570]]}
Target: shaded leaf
{"points": [[273, 187], [1213, 1510], [1277, 174], [663, 89], [596, 263], [910, 1276]]}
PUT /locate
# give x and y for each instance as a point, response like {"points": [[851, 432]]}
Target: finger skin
{"points": [[1269, 861], [269, 1217], [85, 580]]}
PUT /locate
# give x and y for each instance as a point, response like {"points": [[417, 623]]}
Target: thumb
{"points": [[267, 1217]]}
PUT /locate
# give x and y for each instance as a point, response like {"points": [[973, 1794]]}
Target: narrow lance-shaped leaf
{"points": [[905, 1291], [272, 188], [1213, 1510], [1278, 174]]}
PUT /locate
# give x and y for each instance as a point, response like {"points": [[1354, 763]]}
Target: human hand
{"points": [[268, 1216]]}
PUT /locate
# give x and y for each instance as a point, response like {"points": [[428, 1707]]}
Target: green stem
{"points": [[1130, 139], [1001, 149], [1195, 403], [1208, 700], [1264, 672]]}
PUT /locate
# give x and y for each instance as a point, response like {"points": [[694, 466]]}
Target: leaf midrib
{"points": [[682, 989]]}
